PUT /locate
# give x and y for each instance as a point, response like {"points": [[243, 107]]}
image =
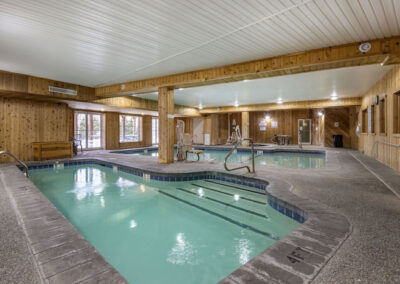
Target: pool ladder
{"points": [[241, 167], [18, 160]]}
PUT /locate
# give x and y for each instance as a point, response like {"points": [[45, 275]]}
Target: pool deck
{"points": [[352, 235]]}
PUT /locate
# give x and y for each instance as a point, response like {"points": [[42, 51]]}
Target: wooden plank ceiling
{"points": [[94, 43]]}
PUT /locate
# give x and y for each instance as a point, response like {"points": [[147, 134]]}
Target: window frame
{"points": [[396, 114], [364, 120], [383, 115], [102, 129], [155, 140], [123, 128], [371, 128]]}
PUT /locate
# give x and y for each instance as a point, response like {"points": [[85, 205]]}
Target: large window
{"points": [[154, 130], [89, 129], [130, 128]]}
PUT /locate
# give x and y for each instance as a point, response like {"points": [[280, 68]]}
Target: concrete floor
{"points": [[369, 255]]}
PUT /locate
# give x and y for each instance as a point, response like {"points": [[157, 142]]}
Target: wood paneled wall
{"points": [[346, 117], [287, 124], [24, 121], [388, 155], [112, 133]]}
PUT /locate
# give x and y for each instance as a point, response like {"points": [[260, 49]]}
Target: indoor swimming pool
{"points": [[198, 230], [290, 159]]}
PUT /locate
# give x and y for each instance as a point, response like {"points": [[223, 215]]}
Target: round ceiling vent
{"points": [[365, 47]]}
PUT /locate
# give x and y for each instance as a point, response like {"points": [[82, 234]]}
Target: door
{"points": [[305, 126], [89, 129], [198, 128]]}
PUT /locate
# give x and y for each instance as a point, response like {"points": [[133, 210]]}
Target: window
{"points": [[371, 119], [382, 115], [89, 129], [130, 128], [396, 112], [364, 117], [154, 130]]}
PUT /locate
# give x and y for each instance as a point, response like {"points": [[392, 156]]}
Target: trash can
{"points": [[338, 141]]}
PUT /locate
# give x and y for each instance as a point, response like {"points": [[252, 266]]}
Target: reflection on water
{"points": [[88, 182], [244, 250], [183, 251]]}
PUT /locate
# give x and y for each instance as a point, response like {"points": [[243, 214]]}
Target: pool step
{"points": [[203, 205], [224, 203], [252, 190]]}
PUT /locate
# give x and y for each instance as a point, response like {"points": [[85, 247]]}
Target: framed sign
{"points": [[262, 124], [274, 124]]}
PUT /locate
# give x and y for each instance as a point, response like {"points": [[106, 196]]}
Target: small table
{"points": [[197, 152]]}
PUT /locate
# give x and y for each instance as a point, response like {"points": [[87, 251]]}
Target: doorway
{"points": [[198, 131], [305, 125]]}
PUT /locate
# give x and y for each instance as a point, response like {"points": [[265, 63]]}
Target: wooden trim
{"points": [[319, 59], [288, 105]]}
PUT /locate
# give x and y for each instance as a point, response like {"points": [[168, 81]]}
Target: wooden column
{"points": [[146, 130], [166, 125], [245, 127]]}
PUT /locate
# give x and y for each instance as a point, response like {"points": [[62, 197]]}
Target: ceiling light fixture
{"points": [[236, 104], [245, 80], [200, 106], [334, 96], [279, 101], [320, 113], [385, 60], [267, 117], [180, 89]]}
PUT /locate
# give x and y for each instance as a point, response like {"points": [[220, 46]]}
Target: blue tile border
{"points": [[279, 205]]}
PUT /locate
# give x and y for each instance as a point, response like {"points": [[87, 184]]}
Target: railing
{"points": [[18, 160], [383, 142], [241, 167]]}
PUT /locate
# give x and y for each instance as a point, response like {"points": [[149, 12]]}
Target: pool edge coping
{"points": [[306, 249]]}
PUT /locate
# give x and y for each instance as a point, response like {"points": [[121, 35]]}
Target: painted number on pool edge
{"points": [[297, 255]]}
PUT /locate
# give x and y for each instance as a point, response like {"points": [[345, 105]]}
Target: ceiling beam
{"points": [[319, 59], [289, 105], [36, 88]]}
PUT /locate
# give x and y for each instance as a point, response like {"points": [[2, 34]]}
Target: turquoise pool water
{"points": [[164, 232], [280, 159]]}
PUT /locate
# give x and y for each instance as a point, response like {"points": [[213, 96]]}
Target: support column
{"points": [[245, 127], [166, 125]]}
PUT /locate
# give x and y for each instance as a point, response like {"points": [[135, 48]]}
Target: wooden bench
{"points": [[52, 150]]}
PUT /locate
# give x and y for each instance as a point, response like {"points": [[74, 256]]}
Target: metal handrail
{"points": [[18, 160], [242, 167], [383, 142]]}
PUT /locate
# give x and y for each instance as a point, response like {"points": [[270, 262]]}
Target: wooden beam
{"points": [[288, 105], [166, 125], [14, 85], [319, 59]]}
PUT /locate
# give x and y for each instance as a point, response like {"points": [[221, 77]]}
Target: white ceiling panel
{"points": [[345, 82], [102, 42]]}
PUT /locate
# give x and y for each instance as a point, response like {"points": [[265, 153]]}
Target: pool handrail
{"points": [[241, 167], [18, 160]]}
